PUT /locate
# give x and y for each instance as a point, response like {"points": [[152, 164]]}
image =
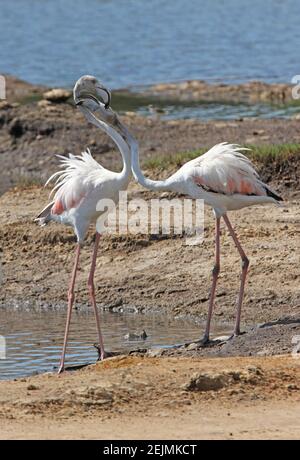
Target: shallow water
{"points": [[219, 111], [34, 339], [138, 42]]}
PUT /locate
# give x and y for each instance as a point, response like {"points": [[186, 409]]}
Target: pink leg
{"points": [[245, 265], [215, 273], [70, 306], [91, 287]]}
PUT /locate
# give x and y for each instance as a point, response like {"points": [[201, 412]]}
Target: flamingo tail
{"points": [[273, 194]]}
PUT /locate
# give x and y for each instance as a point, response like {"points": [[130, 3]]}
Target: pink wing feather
{"points": [[79, 176], [224, 169]]}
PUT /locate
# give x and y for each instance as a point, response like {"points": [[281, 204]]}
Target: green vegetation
{"points": [[271, 152], [167, 161], [260, 153], [25, 181], [30, 98]]}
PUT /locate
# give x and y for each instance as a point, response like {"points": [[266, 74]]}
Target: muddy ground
{"points": [[147, 274], [33, 130]]}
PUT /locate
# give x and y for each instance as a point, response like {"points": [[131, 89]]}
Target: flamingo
{"points": [[227, 181], [80, 184]]}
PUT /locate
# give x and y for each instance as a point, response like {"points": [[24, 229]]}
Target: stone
{"points": [[192, 346], [207, 382], [32, 387], [91, 395], [57, 95], [5, 105], [16, 128], [136, 335], [44, 103], [155, 352]]}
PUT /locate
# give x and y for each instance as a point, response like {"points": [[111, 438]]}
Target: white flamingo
{"points": [[81, 183], [226, 180]]}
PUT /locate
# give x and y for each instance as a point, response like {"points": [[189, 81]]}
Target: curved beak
{"points": [[87, 96], [95, 98], [107, 105]]}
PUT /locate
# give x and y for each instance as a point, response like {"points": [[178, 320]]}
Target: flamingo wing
{"points": [[78, 177], [224, 169]]}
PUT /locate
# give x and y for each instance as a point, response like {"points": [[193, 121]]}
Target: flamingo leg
{"points": [[91, 287], [70, 307], [215, 273], [245, 266]]}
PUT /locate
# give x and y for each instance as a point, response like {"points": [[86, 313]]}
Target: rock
{"points": [[213, 382], [155, 352], [44, 103], [32, 387], [255, 370], [57, 95], [136, 335], [221, 338], [5, 105], [264, 352], [130, 114], [292, 387], [192, 346], [96, 395], [16, 128], [207, 382]]}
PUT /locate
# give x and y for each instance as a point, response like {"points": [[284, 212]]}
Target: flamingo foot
{"points": [[234, 335], [205, 341], [102, 354], [61, 369]]}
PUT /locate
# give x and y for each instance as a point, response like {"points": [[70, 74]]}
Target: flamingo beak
{"points": [[106, 104], [95, 98], [87, 96]]}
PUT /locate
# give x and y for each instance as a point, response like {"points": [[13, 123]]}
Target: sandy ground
{"points": [[145, 396], [235, 389], [149, 398], [258, 421]]}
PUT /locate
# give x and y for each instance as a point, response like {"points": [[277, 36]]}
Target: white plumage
{"points": [[226, 180], [79, 186]]}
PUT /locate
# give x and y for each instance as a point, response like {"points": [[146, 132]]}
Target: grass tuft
{"points": [[261, 153]]}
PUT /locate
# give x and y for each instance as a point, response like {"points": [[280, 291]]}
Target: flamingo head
{"points": [[91, 96], [88, 87]]}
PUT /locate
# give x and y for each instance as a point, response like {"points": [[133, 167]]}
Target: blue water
{"points": [[132, 42]]}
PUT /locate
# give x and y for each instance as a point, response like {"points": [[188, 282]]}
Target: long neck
{"points": [[158, 185], [125, 174]]}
